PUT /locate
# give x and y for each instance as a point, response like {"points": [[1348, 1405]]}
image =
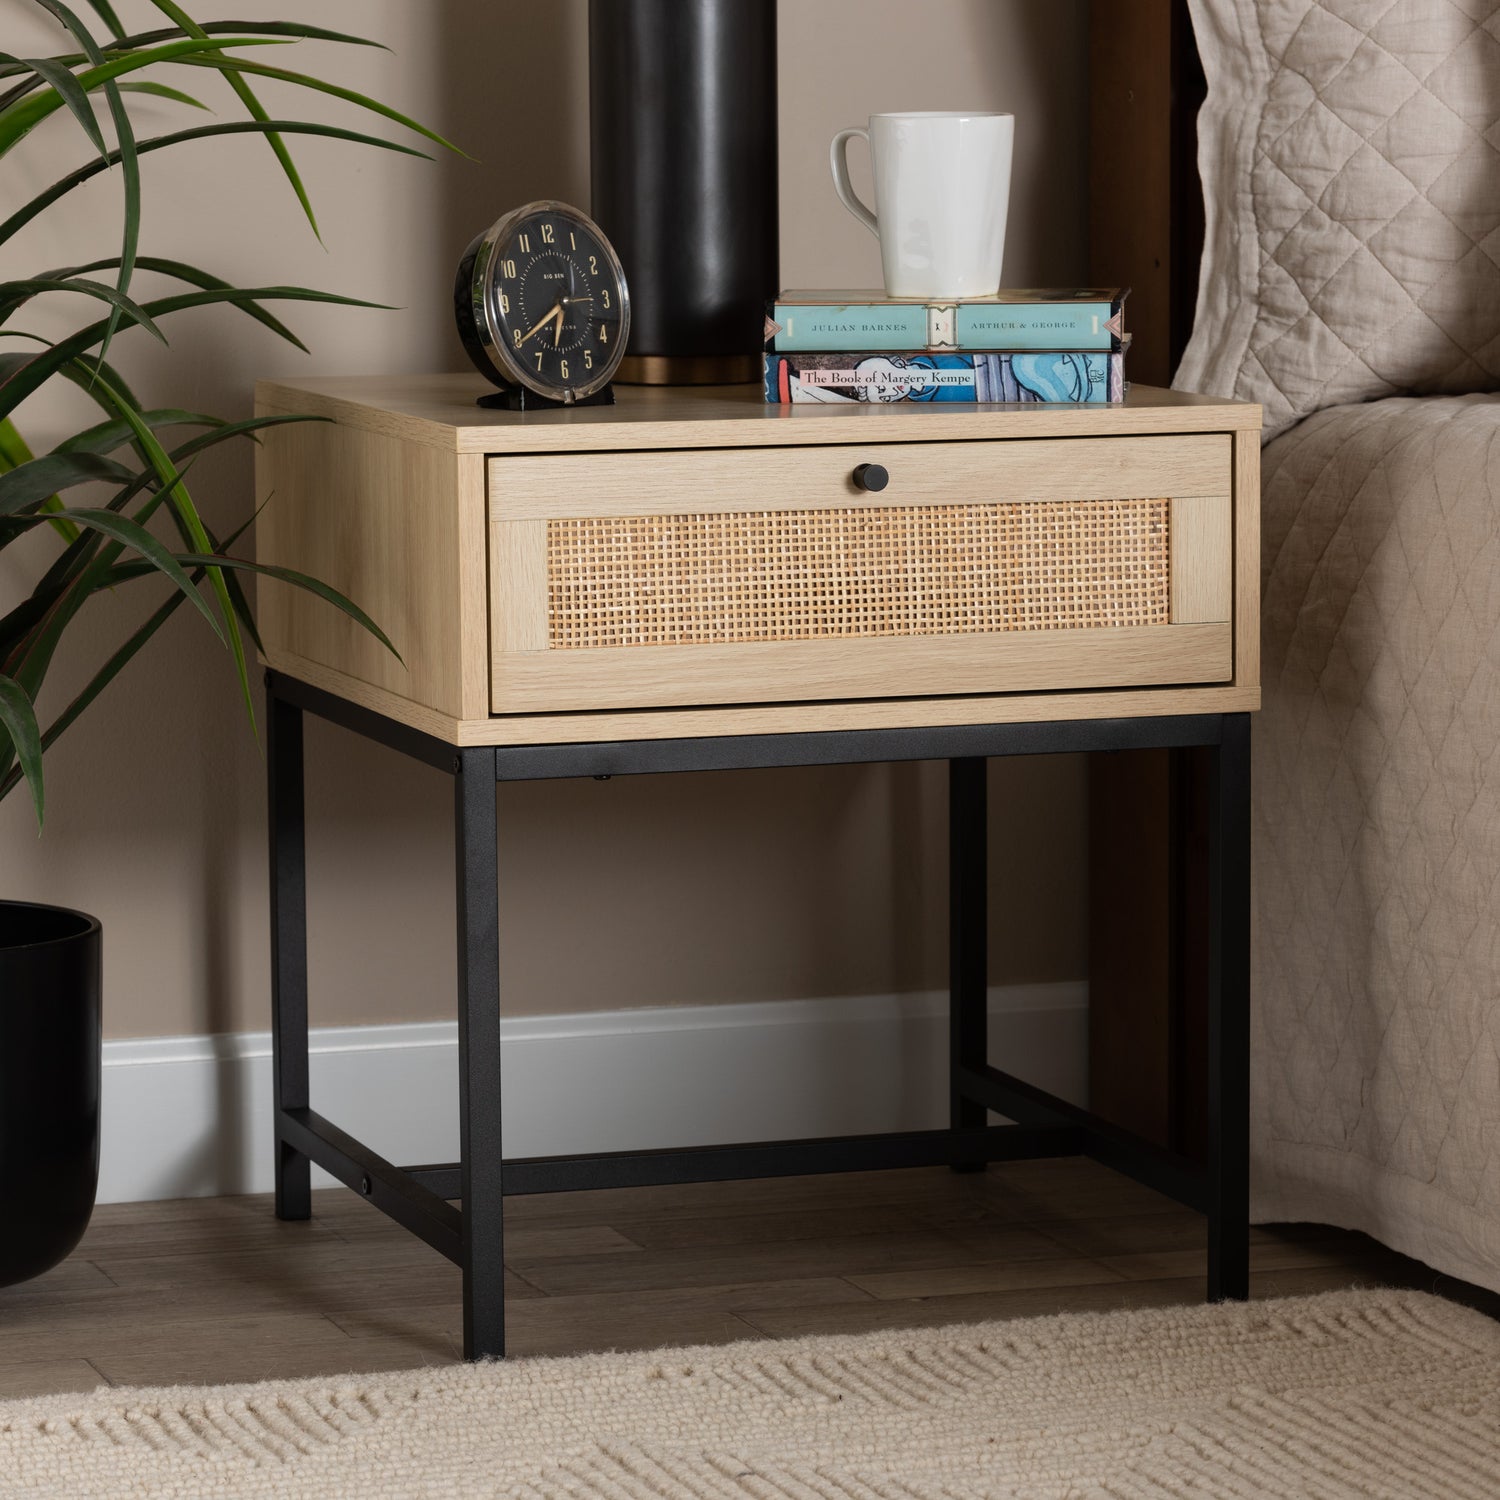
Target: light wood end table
{"points": [[692, 580]]}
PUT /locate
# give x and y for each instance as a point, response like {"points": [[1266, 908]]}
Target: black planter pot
{"points": [[50, 969]]}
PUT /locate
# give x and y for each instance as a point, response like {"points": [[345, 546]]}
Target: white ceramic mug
{"points": [[942, 187]]}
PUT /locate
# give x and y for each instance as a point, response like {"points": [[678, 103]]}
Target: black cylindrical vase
{"points": [[682, 98], [50, 985]]}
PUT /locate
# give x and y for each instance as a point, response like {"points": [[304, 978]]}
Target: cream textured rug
{"points": [[1390, 1394]]}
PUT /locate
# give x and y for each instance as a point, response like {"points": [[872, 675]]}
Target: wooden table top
{"points": [[440, 410]]}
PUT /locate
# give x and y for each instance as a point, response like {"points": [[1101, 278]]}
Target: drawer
{"points": [[761, 575]]}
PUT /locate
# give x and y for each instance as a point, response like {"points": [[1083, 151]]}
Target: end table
{"points": [[692, 580]]}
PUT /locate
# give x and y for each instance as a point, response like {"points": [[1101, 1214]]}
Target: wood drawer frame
{"points": [[526, 492]]}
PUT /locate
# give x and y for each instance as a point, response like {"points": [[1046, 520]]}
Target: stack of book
{"points": [[1020, 345]]}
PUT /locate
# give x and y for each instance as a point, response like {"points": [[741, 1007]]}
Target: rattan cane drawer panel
{"points": [[699, 481], [718, 578]]}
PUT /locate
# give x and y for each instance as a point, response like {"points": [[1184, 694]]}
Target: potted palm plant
{"points": [[99, 494]]}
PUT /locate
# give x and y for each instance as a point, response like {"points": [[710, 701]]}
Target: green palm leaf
{"points": [[253, 107], [13, 447], [18, 723], [100, 680], [22, 623], [247, 427], [107, 545], [105, 437], [70, 565], [29, 484], [14, 293], [303, 80], [161, 91], [13, 453], [32, 655], [204, 280], [34, 627], [49, 70], [130, 534], [177, 498], [32, 373], [106, 13], [64, 185], [126, 571], [296, 30], [116, 663], [18, 119], [291, 30], [33, 662], [130, 171]]}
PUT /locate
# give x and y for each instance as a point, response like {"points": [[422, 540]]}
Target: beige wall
{"points": [[628, 892]]}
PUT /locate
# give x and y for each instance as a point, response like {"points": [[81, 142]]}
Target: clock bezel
{"points": [[486, 344]]}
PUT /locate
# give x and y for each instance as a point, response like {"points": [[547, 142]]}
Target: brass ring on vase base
{"points": [[689, 369]]}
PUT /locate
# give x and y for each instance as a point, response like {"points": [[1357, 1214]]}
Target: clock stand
{"points": [[521, 399]]}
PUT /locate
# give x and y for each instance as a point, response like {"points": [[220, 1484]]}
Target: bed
{"points": [[1377, 829], [1348, 280]]}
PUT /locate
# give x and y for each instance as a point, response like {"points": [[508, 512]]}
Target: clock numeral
{"points": [[603, 333], [504, 303], [515, 333], [546, 234], [539, 359], [593, 265], [572, 240], [563, 368], [525, 243], [508, 269], [606, 296], [588, 359]]}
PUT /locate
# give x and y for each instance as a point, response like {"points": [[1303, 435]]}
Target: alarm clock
{"points": [[543, 308]]}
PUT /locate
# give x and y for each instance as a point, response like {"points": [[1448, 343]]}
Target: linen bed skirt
{"points": [[1376, 1096]]}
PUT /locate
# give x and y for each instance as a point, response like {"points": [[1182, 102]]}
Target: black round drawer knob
{"points": [[870, 477]]}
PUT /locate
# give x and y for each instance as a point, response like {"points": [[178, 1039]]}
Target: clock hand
{"points": [[534, 329], [562, 302], [557, 312]]}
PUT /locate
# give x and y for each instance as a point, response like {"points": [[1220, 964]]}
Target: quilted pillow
{"points": [[1350, 153]]}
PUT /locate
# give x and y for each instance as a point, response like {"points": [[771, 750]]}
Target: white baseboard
{"points": [[190, 1116]]}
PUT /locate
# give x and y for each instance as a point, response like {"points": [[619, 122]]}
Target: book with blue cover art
{"points": [[1073, 378], [1022, 319]]}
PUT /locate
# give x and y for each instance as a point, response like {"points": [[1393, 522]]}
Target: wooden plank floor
{"points": [[206, 1289]]}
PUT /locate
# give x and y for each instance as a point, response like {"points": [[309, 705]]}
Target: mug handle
{"points": [[838, 159]]}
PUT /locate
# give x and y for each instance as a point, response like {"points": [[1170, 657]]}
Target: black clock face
{"points": [[557, 302]]}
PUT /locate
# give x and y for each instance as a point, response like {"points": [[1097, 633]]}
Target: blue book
{"points": [[1074, 378], [1022, 319]]}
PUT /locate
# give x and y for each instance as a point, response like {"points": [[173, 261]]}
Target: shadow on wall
{"points": [[1053, 40], [515, 96], [867, 911]]}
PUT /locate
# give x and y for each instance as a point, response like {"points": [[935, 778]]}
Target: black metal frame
{"points": [[418, 1197]]}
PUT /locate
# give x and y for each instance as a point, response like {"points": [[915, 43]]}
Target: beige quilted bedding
{"points": [[1350, 152], [1377, 830]]}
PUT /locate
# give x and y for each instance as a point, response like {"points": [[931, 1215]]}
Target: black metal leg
{"points": [[968, 939], [420, 1198], [1229, 1016], [480, 1170], [288, 863]]}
